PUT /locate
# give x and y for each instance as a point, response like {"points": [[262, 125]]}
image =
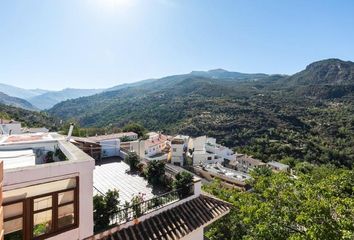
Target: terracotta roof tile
{"points": [[177, 222]]}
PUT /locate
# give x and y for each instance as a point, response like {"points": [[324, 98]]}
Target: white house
{"points": [[200, 154], [277, 166], [156, 144], [47, 188], [9, 127], [110, 144], [178, 147], [213, 147]]}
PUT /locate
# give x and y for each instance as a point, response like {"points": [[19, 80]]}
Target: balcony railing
{"points": [[129, 212]]}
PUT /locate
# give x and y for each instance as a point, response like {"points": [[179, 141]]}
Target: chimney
{"points": [[70, 132]]}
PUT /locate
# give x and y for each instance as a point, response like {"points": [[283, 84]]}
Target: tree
{"points": [[135, 127], [155, 171], [125, 139], [112, 203], [105, 209], [262, 171], [183, 182], [133, 160], [316, 205], [99, 215]]}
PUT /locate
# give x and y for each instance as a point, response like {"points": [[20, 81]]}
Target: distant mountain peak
{"points": [[329, 71], [331, 62], [218, 70]]}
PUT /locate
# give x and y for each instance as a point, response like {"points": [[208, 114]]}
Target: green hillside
{"points": [[273, 118], [28, 118]]}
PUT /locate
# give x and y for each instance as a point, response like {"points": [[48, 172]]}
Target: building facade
{"points": [[47, 188]]}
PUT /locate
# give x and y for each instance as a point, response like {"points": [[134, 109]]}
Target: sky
{"points": [[54, 44]]}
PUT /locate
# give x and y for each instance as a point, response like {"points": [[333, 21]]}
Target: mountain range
{"points": [[16, 102], [331, 78], [35, 99], [307, 116]]}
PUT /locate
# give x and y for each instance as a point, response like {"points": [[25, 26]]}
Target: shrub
{"points": [[135, 127], [105, 208], [136, 200], [133, 160], [155, 172], [183, 183]]}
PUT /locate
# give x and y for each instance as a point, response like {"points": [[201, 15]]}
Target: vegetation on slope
{"points": [[15, 102], [274, 118], [28, 118], [316, 205]]}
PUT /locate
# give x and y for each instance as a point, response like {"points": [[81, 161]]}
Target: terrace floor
{"points": [[113, 173]]}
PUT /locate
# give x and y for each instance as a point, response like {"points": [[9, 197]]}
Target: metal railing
{"points": [[129, 212]]}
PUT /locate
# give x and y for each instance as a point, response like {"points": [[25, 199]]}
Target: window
{"points": [[174, 149], [42, 216], [209, 158]]}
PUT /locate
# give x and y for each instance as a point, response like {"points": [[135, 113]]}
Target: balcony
{"points": [[134, 211]]}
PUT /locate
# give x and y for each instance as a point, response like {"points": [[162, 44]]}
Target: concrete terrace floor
{"points": [[113, 174]]}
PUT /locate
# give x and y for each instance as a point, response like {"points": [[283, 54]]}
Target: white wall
{"points": [[110, 148], [199, 143], [28, 176], [177, 156]]}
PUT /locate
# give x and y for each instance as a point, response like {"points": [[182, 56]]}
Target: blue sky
{"points": [[54, 44]]}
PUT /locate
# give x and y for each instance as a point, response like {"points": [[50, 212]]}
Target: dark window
{"points": [[43, 216]]}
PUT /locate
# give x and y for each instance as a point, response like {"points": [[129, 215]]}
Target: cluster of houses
{"points": [[48, 181], [47, 186], [181, 150], [204, 151]]}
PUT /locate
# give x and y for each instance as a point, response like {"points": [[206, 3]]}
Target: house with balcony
{"points": [[177, 214], [47, 188], [201, 154]]}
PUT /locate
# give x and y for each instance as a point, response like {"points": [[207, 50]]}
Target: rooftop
{"points": [[40, 149], [176, 222], [177, 141], [249, 159], [152, 142], [227, 172], [111, 136], [278, 164], [114, 174], [29, 138]]}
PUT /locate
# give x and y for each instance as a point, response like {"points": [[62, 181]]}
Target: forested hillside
{"points": [[317, 205], [308, 116], [28, 118]]}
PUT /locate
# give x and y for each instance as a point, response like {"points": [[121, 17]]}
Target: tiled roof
{"points": [[153, 142], [177, 222]]}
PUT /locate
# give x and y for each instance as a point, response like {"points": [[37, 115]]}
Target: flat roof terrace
{"points": [[113, 173]]}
